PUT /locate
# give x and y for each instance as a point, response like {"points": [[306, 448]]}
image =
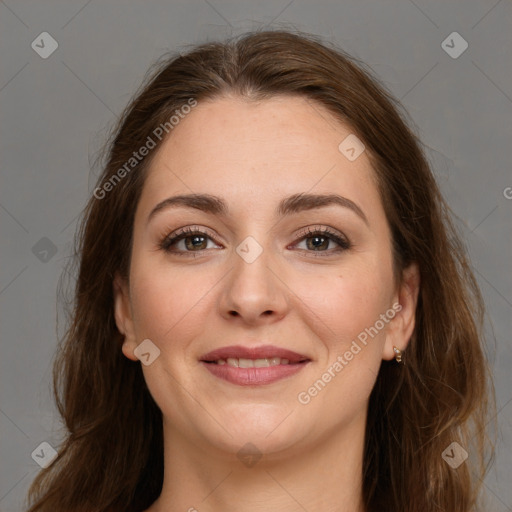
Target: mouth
{"points": [[253, 366], [242, 362]]}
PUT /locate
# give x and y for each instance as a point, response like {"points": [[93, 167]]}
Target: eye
{"points": [[187, 240], [318, 240]]}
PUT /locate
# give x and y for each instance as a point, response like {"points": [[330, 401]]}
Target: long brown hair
{"points": [[112, 456]]}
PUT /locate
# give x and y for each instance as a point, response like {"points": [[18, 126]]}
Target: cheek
{"points": [[347, 301], [349, 307], [167, 301]]}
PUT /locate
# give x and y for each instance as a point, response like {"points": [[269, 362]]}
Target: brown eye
{"points": [[186, 241], [195, 242], [320, 240], [317, 242]]}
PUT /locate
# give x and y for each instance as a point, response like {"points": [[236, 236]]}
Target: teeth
{"points": [[253, 363]]}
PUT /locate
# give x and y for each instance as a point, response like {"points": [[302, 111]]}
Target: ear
{"points": [[123, 316], [401, 327]]}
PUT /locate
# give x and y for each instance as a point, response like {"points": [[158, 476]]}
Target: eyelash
{"points": [[182, 234]]}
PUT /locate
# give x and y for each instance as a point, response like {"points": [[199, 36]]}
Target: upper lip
{"points": [[261, 352]]}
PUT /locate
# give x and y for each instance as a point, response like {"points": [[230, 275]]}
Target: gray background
{"points": [[55, 113]]}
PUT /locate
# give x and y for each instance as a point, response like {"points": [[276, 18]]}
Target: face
{"points": [[274, 275]]}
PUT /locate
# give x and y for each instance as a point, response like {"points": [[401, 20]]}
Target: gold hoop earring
{"points": [[398, 354]]}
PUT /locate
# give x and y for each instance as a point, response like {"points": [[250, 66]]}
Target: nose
{"points": [[253, 292]]}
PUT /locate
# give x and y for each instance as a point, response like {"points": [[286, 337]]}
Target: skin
{"points": [[253, 154]]}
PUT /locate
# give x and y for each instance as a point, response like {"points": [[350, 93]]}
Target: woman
{"points": [[273, 310]]}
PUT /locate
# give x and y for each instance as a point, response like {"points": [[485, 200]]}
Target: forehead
{"points": [[255, 151]]}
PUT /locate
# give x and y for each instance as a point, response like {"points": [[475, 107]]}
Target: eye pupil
{"points": [[195, 238], [318, 241]]}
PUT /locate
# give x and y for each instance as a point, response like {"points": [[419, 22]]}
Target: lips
{"points": [[253, 366]]}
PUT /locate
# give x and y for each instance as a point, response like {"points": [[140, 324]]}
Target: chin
{"points": [[270, 429]]}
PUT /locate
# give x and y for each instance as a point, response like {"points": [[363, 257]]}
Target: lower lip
{"points": [[253, 376]]}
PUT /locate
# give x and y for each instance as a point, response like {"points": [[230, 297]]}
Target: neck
{"points": [[327, 477]]}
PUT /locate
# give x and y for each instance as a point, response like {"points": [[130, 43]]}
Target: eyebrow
{"points": [[293, 204]]}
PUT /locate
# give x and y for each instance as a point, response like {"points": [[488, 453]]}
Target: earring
{"points": [[398, 354]]}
